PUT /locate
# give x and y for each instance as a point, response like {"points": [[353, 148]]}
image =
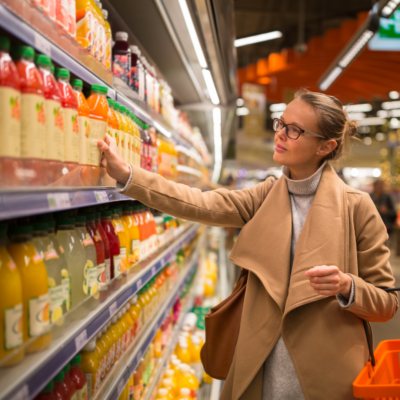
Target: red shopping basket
{"points": [[381, 382]]}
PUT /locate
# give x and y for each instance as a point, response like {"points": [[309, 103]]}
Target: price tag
{"points": [[81, 340], [42, 44], [153, 271], [101, 197], [113, 308], [22, 394], [58, 200], [139, 284], [163, 262]]}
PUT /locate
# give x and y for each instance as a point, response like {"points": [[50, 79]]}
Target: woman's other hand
{"points": [[329, 281], [116, 167]]}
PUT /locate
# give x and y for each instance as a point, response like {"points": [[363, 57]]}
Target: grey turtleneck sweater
{"points": [[280, 379]]}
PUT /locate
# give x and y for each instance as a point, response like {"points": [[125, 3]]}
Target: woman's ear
{"points": [[327, 147]]}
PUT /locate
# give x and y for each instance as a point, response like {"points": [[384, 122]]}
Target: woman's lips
{"points": [[280, 148]]}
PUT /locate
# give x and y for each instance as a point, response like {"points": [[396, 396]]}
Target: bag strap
{"points": [[368, 331]]}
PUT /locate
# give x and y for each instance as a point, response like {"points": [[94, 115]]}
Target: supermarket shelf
{"points": [[10, 22], [25, 380], [21, 203], [119, 382]]}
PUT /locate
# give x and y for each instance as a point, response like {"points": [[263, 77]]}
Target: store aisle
{"points": [[390, 329]]}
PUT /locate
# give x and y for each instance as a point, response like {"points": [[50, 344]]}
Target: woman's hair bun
{"points": [[350, 128]]}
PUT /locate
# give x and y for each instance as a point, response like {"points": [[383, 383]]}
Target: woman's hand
{"points": [[116, 167], [329, 281]]}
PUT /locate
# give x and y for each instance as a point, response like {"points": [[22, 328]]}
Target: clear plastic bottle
{"points": [[121, 57], [135, 60]]}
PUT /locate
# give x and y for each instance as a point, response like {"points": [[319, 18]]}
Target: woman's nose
{"points": [[281, 134]]}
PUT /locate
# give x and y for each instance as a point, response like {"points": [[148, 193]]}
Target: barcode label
{"points": [[101, 197], [113, 308], [22, 394], [42, 44], [58, 200], [81, 340]]}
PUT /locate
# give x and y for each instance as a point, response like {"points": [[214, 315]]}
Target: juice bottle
{"points": [[123, 238], [91, 367], [124, 135], [47, 393], [97, 29], [118, 135], [78, 378], [61, 390], [164, 159], [126, 317], [127, 129], [107, 339], [115, 347], [157, 344], [90, 266], [143, 303], [137, 387], [188, 380], [33, 116], [131, 387], [70, 107], [113, 240], [133, 77], [83, 121], [121, 55], [76, 259], [162, 394], [129, 223], [153, 149], [51, 260], [101, 353], [142, 233], [54, 118], [195, 357], [121, 324], [113, 122], [107, 58], [147, 300], [183, 353], [35, 293], [127, 235], [174, 162], [106, 243], [99, 246], [49, 8], [72, 18], [131, 138], [98, 115], [85, 28], [68, 381], [185, 394], [118, 334], [135, 311], [62, 14], [136, 223], [10, 98], [102, 33], [11, 300]]}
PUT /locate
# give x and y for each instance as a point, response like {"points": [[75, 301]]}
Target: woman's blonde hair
{"points": [[333, 122]]}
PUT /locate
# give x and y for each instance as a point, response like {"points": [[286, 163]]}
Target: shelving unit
{"points": [[25, 380]]}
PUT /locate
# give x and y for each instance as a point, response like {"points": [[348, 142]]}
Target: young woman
{"points": [[315, 249]]}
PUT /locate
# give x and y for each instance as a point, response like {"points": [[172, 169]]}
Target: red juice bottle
{"points": [[47, 393], [70, 107], [121, 54], [113, 239], [54, 118], [61, 390], [106, 244], [78, 378], [68, 381], [10, 123], [135, 60], [33, 117]]}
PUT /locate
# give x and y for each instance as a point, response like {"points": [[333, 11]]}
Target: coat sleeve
{"points": [[374, 271], [221, 207]]}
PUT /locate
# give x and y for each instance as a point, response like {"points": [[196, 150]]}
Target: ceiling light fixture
{"points": [[210, 86], [193, 34], [217, 145], [350, 51], [358, 108], [277, 107], [388, 8], [242, 111], [276, 115], [356, 116], [390, 105], [239, 102], [372, 121], [263, 37], [394, 95]]}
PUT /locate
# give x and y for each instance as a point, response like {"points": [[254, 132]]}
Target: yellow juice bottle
{"points": [[122, 236], [112, 331], [101, 352], [195, 362], [129, 157], [35, 295], [91, 367], [121, 329], [162, 394], [143, 303], [116, 338], [131, 325], [121, 132], [184, 394], [147, 300], [128, 220], [167, 385], [107, 339], [124, 133], [138, 141], [187, 380], [11, 323], [183, 353], [108, 45], [135, 311]]}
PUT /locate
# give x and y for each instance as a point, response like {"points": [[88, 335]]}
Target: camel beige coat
{"points": [[326, 342]]}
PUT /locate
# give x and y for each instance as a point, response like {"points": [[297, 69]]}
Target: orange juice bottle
{"points": [[91, 367], [125, 135], [116, 338], [183, 353], [98, 115], [36, 302], [162, 394], [131, 324], [96, 30], [108, 45], [195, 362], [157, 344], [123, 237], [113, 336], [83, 121], [128, 220], [129, 135], [112, 121], [185, 394], [143, 303], [85, 24], [122, 328], [135, 142], [121, 133], [101, 352], [11, 300], [135, 311], [102, 33], [188, 380], [107, 339]]}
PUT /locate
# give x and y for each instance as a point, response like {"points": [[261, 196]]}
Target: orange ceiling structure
{"points": [[373, 73]]}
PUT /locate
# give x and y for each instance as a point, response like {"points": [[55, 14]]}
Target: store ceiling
{"points": [[253, 17]]}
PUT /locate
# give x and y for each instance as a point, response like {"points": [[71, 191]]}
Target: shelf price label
{"points": [[22, 394], [153, 271], [58, 200], [42, 44], [101, 197], [113, 308], [81, 340], [139, 284]]}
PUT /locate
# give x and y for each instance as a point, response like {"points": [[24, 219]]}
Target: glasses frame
{"points": [[302, 130]]}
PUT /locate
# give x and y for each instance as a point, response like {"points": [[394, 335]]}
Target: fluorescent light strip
{"points": [[242, 111], [162, 129], [193, 34], [390, 7], [210, 86], [357, 47], [330, 78], [357, 116], [276, 115], [217, 145], [371, 121], [263, 37], [357, 108], [277, 107], [390, 105]]}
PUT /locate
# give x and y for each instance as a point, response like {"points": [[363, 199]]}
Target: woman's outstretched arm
{"points": [[220, 207]]}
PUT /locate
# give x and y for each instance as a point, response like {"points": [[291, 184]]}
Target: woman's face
{"points": [[303, 151]]}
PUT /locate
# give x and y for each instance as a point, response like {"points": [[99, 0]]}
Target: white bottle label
{"points": [[57, 298], [84, 131], [135, 252], [38, 315], [13, 327], [90, 386], [101, 276], [81, 394], [10, 122], [72, 138], [108, 269], [122, 251], [90, 278], [97, 132], [54, 130], [117, 265], [142, 250], [66, 284], [122, 145], [33, 126]]}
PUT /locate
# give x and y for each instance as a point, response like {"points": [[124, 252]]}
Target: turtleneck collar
{"points": [[306, 186]]}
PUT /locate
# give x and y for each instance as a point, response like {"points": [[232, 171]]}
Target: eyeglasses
{"points": [[292, 131]]}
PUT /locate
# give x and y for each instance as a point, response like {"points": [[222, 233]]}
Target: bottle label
{"points": [[38, 315], [135, 254], [84, 133], [85, 29], [102, 43], [101, 275], [108, 269], [90, 278], [109, 356], [121, 144], [97, 237], [108, 51], [119, 348], [122, 251], [56, 302], [13, 327], [103, 367], [122, 66], [51, 253], [96, 38], [97, 132], [33, 126], [37, 258], [88, 241], [137, 393], [90, 384], [72, 139], [129, 153], [112, 354], [55, 130], [81, 394], [10, 122], [117, 265], [66, 284], [127, 338], [142, 250]]}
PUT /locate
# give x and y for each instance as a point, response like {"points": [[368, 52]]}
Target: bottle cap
{"points": [[21, 230], [77, 83], [49, 387], [117, 106], [110, 102], [80, 219], [40, 226], [133, 300], [184, 367], [122, 108], [59, 377], [100, 88], [105, 13], [4, 43], [136, 50], [119, 314], [104, 330], [163, 392], [42, 59], [114, 319], [62, 73], [67, 368], [90, 217], [76, 360], [169, 372], [98, 215], [22, 51], [167, 382], [185, 392], [121, 36], [65, 221], [195, 340], [90, 346], [106, 213]]}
